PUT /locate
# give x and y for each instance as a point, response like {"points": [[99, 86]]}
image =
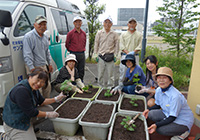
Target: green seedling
{"points": [[107, 93], [136, 79], [132, 101], [86, 88], [65, 86], [126, 125]]}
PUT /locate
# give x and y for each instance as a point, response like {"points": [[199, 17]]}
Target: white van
{"points": [[59, 13]]}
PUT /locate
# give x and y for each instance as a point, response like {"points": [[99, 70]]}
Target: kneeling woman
{"points": [[171, 113], [24, 103], [134, 75]]}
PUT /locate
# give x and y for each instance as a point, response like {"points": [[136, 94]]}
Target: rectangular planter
{"points": [[101, 98], [67, 126], [93, 130], [129, 96], [141, 117], [89, 98]]}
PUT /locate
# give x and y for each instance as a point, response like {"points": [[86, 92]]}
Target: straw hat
{"points": [[71, 57], [165, 71]]}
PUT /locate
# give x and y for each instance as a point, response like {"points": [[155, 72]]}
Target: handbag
{"points": [[108, 57]]}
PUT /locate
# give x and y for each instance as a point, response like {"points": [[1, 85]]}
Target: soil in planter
{"points": [[98, 113], [126, 105], [111, 98], [90, 94], [120, 133], [72, 108]]}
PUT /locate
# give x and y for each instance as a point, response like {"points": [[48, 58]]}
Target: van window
{"points": [[70, 18], [27, 19], [61, 21]]}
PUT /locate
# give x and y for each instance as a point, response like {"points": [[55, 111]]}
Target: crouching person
{"points": [[69, 72], [171, 113], [24, 103]]}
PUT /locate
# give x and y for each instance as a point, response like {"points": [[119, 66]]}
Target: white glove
{"points": [[133, 53], [79, 83], [59, 97], [78, 90], [52, 114], [117, 89], [143, 89], [94, 56]]}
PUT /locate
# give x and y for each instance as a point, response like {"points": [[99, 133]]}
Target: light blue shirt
{"points": [[173, 103], [36, 50]]}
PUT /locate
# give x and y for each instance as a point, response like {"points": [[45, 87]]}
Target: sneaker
{"points": [[181, 137]]}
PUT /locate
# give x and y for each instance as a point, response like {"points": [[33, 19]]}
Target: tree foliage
{"points": [[92, 12], [178, 21]]}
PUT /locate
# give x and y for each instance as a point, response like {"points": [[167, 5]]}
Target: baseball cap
{"points": [[77, 18], [40, 19], [109, 18], [132, 19]]}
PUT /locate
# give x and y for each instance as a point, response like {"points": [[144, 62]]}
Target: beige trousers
{"points": [[44, 91]]}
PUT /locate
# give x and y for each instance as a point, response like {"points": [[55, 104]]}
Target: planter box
{"points": [[89, 96], [117, 131], [69, 126], [100, 114], [141, 100], [114, 98]]}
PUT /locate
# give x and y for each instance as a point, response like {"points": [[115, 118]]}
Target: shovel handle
{"points": [[136, 116]]}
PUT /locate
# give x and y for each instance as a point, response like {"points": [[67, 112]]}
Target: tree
{"points": [[178, 21], [92, 12]]}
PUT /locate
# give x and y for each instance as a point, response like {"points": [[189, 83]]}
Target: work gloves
{"points": [[117, 89], [79, 83], [59, 97], [95, 56], [143, 89], [52, 114]]}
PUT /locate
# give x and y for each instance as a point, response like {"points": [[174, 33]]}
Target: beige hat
{"points": [[40, 19], [71, 57], [77, 18], [165, 71], [132, 19]]}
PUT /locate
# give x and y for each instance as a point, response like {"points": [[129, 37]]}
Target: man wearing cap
{"points": [[36, 50], [105, 49], [171, 113], [75, 44], [130, 41]]}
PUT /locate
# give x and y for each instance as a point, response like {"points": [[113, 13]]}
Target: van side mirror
{"points": [[5, 21]]}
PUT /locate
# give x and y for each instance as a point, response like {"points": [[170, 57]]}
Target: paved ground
{"points": [[46, 127]]}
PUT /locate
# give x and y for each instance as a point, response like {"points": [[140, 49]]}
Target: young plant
{"points": [[132, 101], [107, 93], [126, 125], [86, 88], [65, 86], [136, 79]]}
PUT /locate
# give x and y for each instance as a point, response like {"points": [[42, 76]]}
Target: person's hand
{"points": [[95, 56], [60, 97], [152, 128], [145, 113], [50, 68], [97, 59], [133, 53], [78, 90], [143, 89], [52, 114], [79, 83], [116, 89]]}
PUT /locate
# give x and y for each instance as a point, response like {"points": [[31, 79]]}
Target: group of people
{"points": [[167, 107]]}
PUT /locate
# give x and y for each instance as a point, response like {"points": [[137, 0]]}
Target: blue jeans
{"points": [[130, 89]]}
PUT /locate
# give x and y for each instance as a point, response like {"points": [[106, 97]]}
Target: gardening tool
{"points": [[133, 120], [91, 73]]}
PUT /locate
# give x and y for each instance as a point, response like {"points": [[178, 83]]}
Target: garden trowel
{"points": [[133, 120]]}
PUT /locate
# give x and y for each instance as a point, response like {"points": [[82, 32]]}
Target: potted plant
{"points": [[105, 96], [138, 131], [89, 92], [132, 103]]}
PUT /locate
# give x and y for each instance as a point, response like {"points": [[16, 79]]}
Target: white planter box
{"points": [[66, 126], [140, 97], [141, 117], [96, 131]]}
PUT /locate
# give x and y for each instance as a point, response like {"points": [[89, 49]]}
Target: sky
{"points": [[113, 5]]}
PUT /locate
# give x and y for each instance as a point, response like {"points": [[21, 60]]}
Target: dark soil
{"points": [[111, 98], [90, 94], [98, 113], [125, 105], [120, 133], [72, 108]]}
